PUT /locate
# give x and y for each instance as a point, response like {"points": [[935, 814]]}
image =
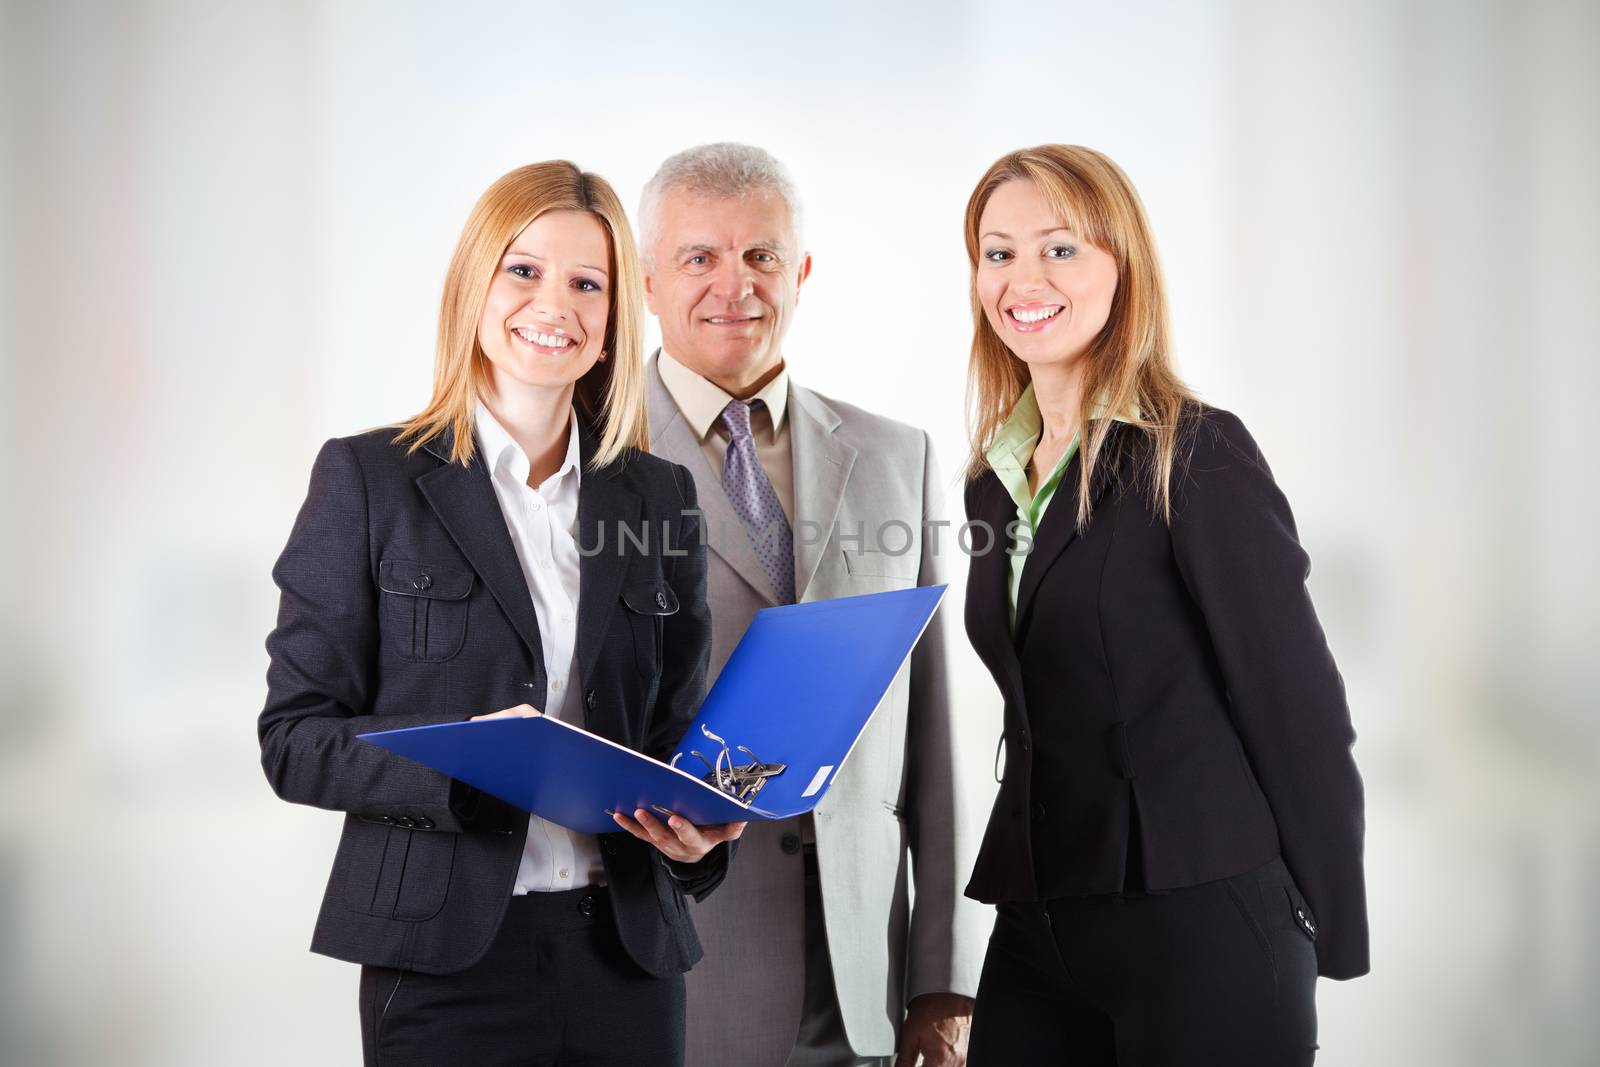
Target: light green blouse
{"points": [[1008, 457]]}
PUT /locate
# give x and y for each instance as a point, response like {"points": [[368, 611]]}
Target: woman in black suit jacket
{"points": [[471, 561], [1175, 850]]}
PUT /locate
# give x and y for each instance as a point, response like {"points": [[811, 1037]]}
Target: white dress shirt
{"points": [[543, 524]]}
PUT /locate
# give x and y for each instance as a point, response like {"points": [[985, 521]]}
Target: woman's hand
{"points": [[678, 839], [521, 711]]}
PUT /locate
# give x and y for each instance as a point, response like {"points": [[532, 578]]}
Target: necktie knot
{"points": [[736, 417]]}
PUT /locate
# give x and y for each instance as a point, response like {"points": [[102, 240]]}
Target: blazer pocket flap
{"points": [[654, 597], [407, 578]]}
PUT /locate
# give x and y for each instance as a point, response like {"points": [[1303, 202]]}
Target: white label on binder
{"points": [[817, 780]]}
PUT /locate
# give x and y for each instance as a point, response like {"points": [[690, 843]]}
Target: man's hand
{"points": [[679, 839], [936, 1028]]}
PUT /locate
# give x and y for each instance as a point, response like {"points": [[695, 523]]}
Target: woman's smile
{"points": [[1033, 317], [544, 340]]}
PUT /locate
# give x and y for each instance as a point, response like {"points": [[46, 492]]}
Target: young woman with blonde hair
{"points": [[435, 574], [1175, 850]]}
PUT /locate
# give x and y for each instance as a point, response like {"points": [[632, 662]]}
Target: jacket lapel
{"points": [[605, 505], [989, 585], [822, 466], [1060, 526], [671, 438], [990, 579], [464, 500]]}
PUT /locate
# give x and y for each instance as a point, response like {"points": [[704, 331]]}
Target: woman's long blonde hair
{"points": [[1127, 369], [611, 396]]}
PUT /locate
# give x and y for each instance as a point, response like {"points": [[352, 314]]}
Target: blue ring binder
{"points": [[801, 685]]}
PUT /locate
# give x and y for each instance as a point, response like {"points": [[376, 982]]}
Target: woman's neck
{"points": [[1058, 390], [537, 420]]}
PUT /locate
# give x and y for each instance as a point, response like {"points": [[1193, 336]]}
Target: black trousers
{"points": [[1222, 973], [556, 989]]}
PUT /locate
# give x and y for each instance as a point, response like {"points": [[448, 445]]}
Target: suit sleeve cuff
{"points": [[700, 878]]}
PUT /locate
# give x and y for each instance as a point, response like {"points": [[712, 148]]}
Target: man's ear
{"points": [[805, 272], [650, 291]]}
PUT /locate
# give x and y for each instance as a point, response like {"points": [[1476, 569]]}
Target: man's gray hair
{"points": [[725, 170]]}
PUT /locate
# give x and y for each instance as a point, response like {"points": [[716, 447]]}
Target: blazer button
{"points": [[661, 600], [424, 823], [790, 843], [608, 845], [586, 907], [422, 581], [1038, 811], [588, 700]]}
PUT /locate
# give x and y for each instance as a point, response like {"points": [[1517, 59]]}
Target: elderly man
{"points": [[815, 953]]}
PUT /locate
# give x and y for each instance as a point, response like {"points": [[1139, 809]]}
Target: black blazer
{"points": [[1168, 690], [403, 604]]}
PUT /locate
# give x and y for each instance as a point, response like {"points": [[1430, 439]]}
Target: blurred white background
{"points": [[224, 235]]}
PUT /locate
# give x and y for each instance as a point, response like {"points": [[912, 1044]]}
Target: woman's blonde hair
{"points": [[1127, 368], [611, 396]]}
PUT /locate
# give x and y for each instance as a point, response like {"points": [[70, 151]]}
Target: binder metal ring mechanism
{"points": [[741, 781]]}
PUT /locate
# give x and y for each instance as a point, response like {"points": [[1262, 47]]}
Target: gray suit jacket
{"points": [[889, 821]]}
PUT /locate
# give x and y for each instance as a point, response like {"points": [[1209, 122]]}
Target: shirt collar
{"points": [[1014, 443], [501, 451], [701, 401], [1017, 437], [1012, 448]]}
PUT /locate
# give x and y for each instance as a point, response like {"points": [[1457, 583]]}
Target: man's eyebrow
{"points": [[540, 259], [684, 250]]}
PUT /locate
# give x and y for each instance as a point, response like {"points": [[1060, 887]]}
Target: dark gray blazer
{"points": [[403, 604]]}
